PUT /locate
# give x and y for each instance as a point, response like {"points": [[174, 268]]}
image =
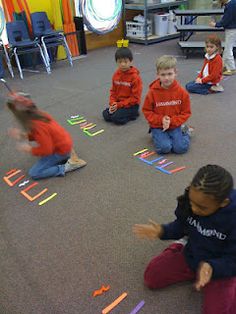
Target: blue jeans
{"points": [[171, 140], [49, 166], [122, 115], [196, 88]]}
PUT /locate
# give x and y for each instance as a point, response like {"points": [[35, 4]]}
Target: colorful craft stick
{"points": [[163, 170], [115, 303], [101, 291], [11, 171], [85, 124], [32, 198], [162, 161], [24, 183], [76, 122], [177, 169], [12, 174], [47, 199], [140, 152], [89, 127], [151, 161], [167, 164], [145, 155], [137, 308], [93, 134]]}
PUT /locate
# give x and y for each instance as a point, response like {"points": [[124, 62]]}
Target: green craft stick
{"points": [[93, 134]]}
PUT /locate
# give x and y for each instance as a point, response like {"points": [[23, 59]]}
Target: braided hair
{"points": [[213, 180]]}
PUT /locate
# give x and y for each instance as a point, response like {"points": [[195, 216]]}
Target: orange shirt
{"points": [[173, 102], [126, 88], [51, 138]]}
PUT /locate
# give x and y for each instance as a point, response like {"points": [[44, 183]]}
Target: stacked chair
{"points": [[4, 54], [45, 38], [48, 37], [20, 44]]}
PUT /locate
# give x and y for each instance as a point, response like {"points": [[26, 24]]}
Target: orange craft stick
{"points": [[32, 198], [177, 169], [10, 183], [115, 303]]}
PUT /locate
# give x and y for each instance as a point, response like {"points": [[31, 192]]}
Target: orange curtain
{"points": [[69, 27], [8, 9]]}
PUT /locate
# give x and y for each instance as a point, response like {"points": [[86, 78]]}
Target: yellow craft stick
{"points": [[115, 303], [141, 151], [47, 199]]}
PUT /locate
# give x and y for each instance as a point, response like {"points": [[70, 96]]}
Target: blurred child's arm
{"points": [[184, 114], [24, 147], [135, 95], [152, 117], [150, 231], [226, 19], [17, 134]]}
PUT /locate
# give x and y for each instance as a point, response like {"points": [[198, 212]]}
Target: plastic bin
{"points": [[161, 24], [172, 22], [137, 29]]}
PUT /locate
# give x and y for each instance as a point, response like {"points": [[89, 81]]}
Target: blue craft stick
{"points": [[163, 170], [137, 308], [167, 164], [150, 162]]}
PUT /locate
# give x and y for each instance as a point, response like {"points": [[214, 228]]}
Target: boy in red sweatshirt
{"points": [[167, 108], [126, 90], [211, 73]]}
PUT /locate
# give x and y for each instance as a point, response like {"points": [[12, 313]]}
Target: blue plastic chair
{"points": [[4, 54], [20, 44], [49, 38]]}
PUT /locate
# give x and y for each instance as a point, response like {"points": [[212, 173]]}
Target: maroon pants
{"points": [[219, 296]]}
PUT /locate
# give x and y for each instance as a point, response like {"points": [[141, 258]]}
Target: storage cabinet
{"points": [[145, 32]]}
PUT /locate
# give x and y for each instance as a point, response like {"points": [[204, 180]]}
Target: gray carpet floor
{"points": [[53, 257]]}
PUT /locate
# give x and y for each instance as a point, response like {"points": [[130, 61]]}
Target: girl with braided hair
{"points": [[206, 216]]}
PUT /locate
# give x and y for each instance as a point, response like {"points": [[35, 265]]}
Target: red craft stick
{"points": [[177, 169], [32, 198]]}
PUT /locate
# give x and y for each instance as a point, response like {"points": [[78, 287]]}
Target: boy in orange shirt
{"points": [[126, 90], [167, 108]]}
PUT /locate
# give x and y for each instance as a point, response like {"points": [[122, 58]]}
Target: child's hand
{"points": [[198, 80], [15, 133], [165, 123], [204, 275], [151, 231], [24, 147], [113, 108], [212, 23]]}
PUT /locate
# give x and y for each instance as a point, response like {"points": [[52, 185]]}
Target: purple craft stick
{"points": [[137, 308], [165, 165]]}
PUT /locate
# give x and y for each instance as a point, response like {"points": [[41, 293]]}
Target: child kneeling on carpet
{"points": [[167, 108], [53, 142], [126, 90], [211, 73], [206, 215]]}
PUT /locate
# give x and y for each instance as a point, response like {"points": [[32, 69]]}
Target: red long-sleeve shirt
{"points": [[173, 102], [211, 71], [126, 88], [51, 138]]}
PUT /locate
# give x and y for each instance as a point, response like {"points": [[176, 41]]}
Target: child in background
{"points": [[211, 73], [126, 90], [206, 214], [167, 108], [54, 143], [228, 22]]}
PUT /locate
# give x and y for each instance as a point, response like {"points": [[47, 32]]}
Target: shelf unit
{"points": [[150, 8]]}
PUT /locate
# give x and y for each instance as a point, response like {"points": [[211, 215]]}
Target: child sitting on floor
{"points": [[54, 143], [167, 108], [206, 214], [126, 90], [211, 73]]}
